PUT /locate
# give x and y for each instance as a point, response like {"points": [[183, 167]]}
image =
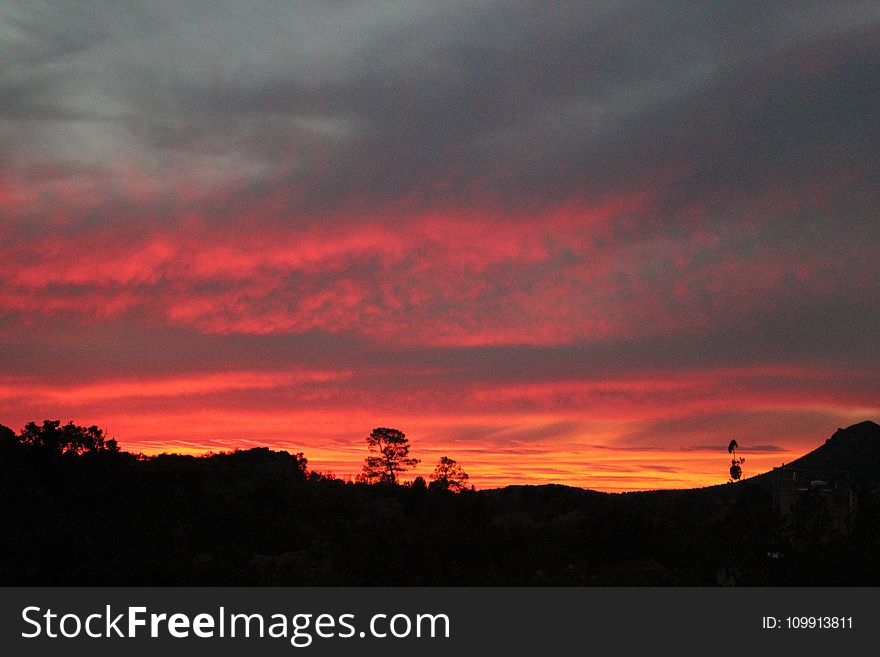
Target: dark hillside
{"points": [[854, 452]]}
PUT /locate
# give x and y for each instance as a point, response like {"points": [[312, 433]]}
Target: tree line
{"points": [[388, 460]]}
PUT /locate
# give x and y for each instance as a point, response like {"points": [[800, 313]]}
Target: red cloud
{"points": [[561, 276]]}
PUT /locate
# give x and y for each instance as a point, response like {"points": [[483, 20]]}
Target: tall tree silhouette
{"points": [[735, 463], [392, 456], [448, 475]]}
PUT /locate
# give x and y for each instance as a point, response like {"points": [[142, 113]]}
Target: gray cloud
{"points": [[500, 103]]}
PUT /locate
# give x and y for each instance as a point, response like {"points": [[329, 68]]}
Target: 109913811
{"points": [[807, 623]]}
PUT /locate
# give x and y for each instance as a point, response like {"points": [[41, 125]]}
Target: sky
{"points": [[577, 243]]}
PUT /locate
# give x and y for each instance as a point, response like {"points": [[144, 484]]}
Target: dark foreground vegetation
{"points": [[92, 515]]}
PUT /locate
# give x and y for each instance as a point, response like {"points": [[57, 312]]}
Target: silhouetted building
{"points": [[823, 500]]}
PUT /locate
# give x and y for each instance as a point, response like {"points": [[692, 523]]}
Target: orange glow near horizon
{"points": [[614, 447]]}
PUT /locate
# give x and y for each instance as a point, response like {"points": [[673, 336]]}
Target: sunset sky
{"points": [[581, 243]]}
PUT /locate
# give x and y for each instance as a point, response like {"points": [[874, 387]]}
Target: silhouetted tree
{"points": [[67, 439], [393, 456], [448, 475], [735, 463]]}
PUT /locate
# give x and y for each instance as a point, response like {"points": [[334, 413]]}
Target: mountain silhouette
{"points": [[852, 453]]}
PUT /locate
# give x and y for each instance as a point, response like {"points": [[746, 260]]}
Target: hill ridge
{"points": [[852, 452]]}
